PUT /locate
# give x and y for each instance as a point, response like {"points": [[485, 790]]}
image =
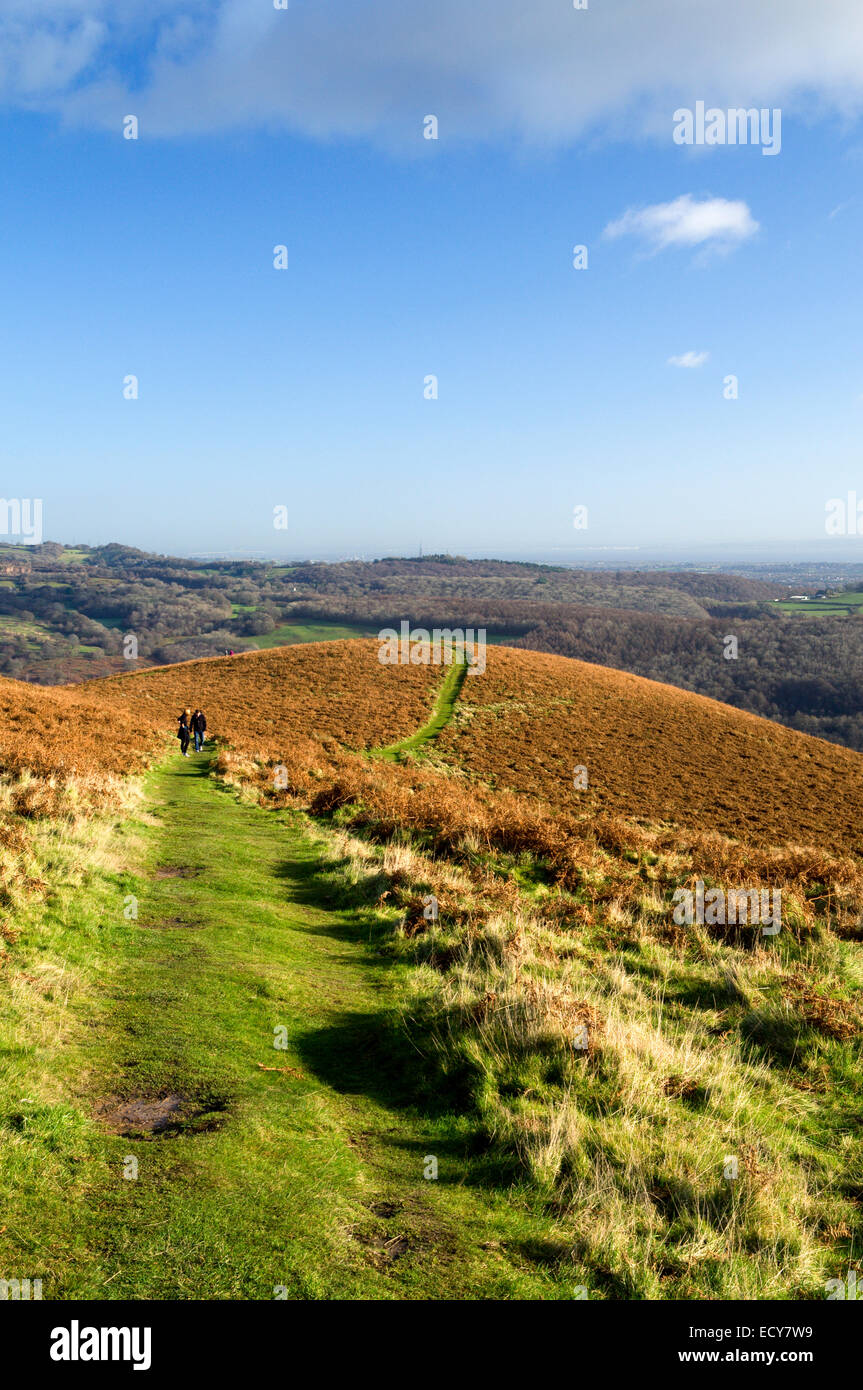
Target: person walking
{"points": [[199, 728], [184, 732]]}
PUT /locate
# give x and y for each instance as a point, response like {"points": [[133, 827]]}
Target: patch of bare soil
{"points": [[383, 1250], [173, 923], [158, 1115], [385, 1209]]}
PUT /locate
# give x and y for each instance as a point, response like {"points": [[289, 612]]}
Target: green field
{"points": [[11, 626], [840, 605], [289, 634]]}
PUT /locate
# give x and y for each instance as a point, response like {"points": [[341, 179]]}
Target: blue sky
{"points": [[408, 257]]}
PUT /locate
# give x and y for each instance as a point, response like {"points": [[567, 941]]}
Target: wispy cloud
{"points": [[689, 359], [687, 222]]}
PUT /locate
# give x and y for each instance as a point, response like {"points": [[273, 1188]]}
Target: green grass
{"points": [[303, 1166], [311, 1178], [699, 1049], [291, 633], [12, 626]]}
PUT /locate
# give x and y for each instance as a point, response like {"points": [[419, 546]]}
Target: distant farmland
{"points": [[838, 605]]}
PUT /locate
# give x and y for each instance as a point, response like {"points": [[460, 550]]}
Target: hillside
{"points": [[652, 753], [471, 961], [328, 690]]}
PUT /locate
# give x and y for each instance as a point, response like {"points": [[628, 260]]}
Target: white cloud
{"points": [[689, 359], [686, 221], [43, 60], [489, 69]]}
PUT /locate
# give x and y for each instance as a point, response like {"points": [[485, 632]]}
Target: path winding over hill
{"points": [[651, 751], [442, 713]]}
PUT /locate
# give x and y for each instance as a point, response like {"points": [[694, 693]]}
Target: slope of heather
{"points": [[67, 729], [652, 752], [267, 700], [263, 700]]}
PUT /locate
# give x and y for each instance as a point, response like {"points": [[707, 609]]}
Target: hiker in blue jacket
{"points": [[199, 728]]}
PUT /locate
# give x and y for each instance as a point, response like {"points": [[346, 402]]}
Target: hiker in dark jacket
{"points": [[199, 728], [183, 731]]}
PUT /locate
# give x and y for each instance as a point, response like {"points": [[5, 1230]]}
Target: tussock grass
{"points": [[61, 851], [629, 1068]]}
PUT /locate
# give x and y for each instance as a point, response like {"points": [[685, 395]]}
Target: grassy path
{"points": [[442, 713], [299, 1167]]}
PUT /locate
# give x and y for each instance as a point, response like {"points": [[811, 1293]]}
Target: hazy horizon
{"points": [[838, 556]]}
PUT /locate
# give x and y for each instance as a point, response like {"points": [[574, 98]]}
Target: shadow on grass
{"points": [[372, 1054], [394, 1062], [376, 1053], [777, 1039], [324, 892]]}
